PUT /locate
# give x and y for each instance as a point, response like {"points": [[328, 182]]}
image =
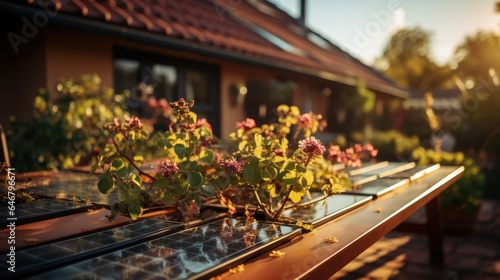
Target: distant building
{"points": [[234, 58]]}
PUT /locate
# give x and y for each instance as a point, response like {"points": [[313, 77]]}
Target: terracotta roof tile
{"points": [[225, 24]]}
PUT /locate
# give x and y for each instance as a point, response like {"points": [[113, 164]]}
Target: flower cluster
{"points": [[351, 156], [312, 147], [246, 124], [232, 166], [167, 168], [132, 124], [114, 126], [125, 126]]}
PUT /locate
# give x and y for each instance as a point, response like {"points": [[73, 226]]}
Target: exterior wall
{"points": [[71, 54], [23, 74]]}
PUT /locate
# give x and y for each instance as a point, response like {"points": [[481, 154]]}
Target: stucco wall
{"points": [[22, 75], [71, 54]]}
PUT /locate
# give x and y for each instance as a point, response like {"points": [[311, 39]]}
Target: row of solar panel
{"points": [[150, 249]]}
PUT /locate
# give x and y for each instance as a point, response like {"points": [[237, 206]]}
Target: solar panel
{"points": [[391, 169], [416, 172], [366, 167], [42, 209], [59, 253], [198, 252], [81, 187], [379, 187], [334, 206]]}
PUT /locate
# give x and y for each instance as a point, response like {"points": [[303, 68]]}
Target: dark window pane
{"points": [[126, 74], [197, 87], [165, 82]]}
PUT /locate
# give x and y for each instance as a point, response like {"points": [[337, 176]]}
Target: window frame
{"points": [[182, 67]]}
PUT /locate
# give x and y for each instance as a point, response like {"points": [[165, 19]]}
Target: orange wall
{"points": [[23, 74], [71, 54]]}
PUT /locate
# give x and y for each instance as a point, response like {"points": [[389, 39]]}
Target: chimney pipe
{"points": [[302, 16]]}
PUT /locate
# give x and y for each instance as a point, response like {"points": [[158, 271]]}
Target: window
{"points": [[264, 96], [147, 76]]}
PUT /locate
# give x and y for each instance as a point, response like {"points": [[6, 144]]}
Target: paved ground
{"points": [[473, 256]]}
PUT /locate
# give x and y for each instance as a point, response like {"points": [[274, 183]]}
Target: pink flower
{"points": [[305, 120], [113, 126], [231, 166], [371, 150], [246, 124], [203, 122], [133, 124], [279, 152], [167, 168], [312, 146], [152, 103], [358, 148]]}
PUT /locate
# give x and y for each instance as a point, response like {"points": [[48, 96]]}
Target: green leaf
{"points": [[271, 188], [269, 173], [309, 177], [179, 189], [207, 156], [300, 168], [119, 168], [207, 190], [251, 171], [181, 151], [258, 152], [194, 179], [205, 131], [295, 196], [136, 179], [93, 169], [258, 139], [290, 177], [135, 210], [106, 185], [138, 159], [162, 144], [122, 191], [161, 183]]}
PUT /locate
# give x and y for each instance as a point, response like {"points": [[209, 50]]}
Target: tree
{"points": [[407, 60], [478, 57], [477, 61]]}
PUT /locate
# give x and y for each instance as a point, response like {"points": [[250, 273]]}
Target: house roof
{"points": [[255, 31]]}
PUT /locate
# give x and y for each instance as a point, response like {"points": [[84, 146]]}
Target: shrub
{"points": [[466, 192], [65, 131]]}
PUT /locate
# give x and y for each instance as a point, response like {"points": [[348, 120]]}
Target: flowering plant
{"points": [[264, 168]]}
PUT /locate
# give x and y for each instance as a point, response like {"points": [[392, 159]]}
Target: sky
{"points": [[363, 27]]}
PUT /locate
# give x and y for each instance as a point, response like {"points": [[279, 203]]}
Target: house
{"points": [[234, 58]]}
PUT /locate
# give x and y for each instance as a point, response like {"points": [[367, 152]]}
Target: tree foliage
{"points": [[478, 57], [65, 131], [407, 60]]}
